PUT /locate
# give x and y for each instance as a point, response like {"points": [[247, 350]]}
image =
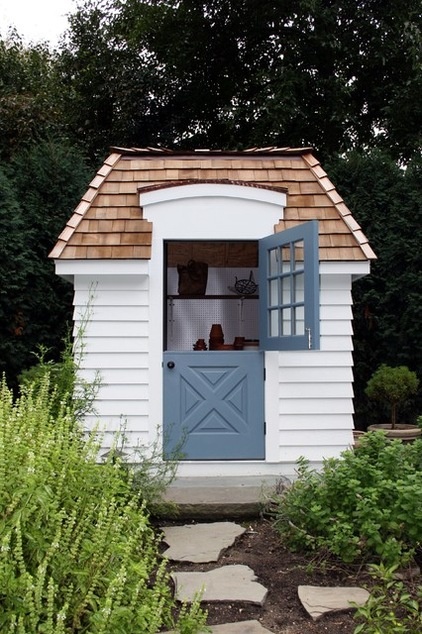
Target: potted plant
{"points": [[393, 386]]}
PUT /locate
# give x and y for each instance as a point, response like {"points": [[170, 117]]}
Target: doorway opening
{"points": [[226, 301]]}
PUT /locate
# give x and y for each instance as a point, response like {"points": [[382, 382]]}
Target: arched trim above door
{"points": [[205, 189], [212, 211]]}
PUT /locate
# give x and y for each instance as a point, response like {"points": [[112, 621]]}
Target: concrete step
{"points": [[222, 497]]}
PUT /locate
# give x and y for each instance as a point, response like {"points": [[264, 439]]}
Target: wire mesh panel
{"points": [[191, 319]]}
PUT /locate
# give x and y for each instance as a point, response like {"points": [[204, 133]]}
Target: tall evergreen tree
{"points": [[15, 270], [43, 184], [387, 201]]}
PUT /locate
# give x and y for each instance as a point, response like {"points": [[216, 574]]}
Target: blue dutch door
{"points": [[214, 400]]}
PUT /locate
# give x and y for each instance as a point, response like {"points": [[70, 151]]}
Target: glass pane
{"points": [[286, 297], [274, 330], [285, 259], [299, 320], [298, 255], [273, 295], [299, 288], [286, 321], [273, 261]]}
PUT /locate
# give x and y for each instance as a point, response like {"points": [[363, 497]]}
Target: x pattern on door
{"points": [[215, 406]]}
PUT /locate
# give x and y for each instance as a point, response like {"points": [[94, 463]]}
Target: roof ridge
{"points": [[212, 152]]}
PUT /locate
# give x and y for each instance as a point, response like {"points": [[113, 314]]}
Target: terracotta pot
{"points": [[403, 432], [238, 343], [216, 331], [200, 345], [216, 336]]}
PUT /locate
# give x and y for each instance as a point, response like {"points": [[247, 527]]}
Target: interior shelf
{"points": [[212, 296]]}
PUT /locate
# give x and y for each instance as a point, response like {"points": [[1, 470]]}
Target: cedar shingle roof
{"points": [[108, 222]]}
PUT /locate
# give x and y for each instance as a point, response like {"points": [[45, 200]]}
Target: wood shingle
{"points": [[109, 223]]}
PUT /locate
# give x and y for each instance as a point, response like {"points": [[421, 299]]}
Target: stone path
{"points": [[204, 543]]}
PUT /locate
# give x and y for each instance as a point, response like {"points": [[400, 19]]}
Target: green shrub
{"points": [[150, 475], [66, 384], [365, 505], [77, 552], [391, 608], [392, 386]]}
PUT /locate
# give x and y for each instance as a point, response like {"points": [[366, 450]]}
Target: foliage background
{"points": [[343, 76]]}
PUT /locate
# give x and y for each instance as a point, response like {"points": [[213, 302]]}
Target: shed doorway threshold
{"points": [[222, 496]]}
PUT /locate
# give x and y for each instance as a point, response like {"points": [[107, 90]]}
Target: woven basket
{"points": [[246, 287]]}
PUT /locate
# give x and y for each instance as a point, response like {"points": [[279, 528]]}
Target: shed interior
{"points": [[189, 317]]}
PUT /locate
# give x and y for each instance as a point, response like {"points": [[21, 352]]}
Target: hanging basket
{"points": [[246, 287]]}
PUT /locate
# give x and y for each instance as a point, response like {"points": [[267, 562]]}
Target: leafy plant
{"points": [[66, 386], [77, 551], [392, 386], [365, 505], [391, 607], [150, 474]]}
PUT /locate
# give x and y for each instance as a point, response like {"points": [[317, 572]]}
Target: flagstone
{"points": [[319, 600], [228, 583], [200, 543]]}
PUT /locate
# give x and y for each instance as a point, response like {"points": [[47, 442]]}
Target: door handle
{"points": [[170, 365]]}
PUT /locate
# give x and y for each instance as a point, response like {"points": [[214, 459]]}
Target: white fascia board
{"points": [[215, 190], [69, 268], [354, 268]]}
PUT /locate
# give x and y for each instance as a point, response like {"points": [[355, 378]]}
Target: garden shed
{"points": [[167, 246]]}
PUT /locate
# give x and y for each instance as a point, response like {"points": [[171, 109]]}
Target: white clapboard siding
{"points": [[333, 296], [315, 454], [121, 360], [336, 342], [122, 408], [317, 390], [89, 285], [315, 359], [330, 328], [315, 374], [116, 344], [304, 405], [314, 389], [113, 376], [335, 312], [134, 440], [112, 315], [101, 298], [133, 424], [123, 391], [315, 422], [317, 438], [108, 328]]}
